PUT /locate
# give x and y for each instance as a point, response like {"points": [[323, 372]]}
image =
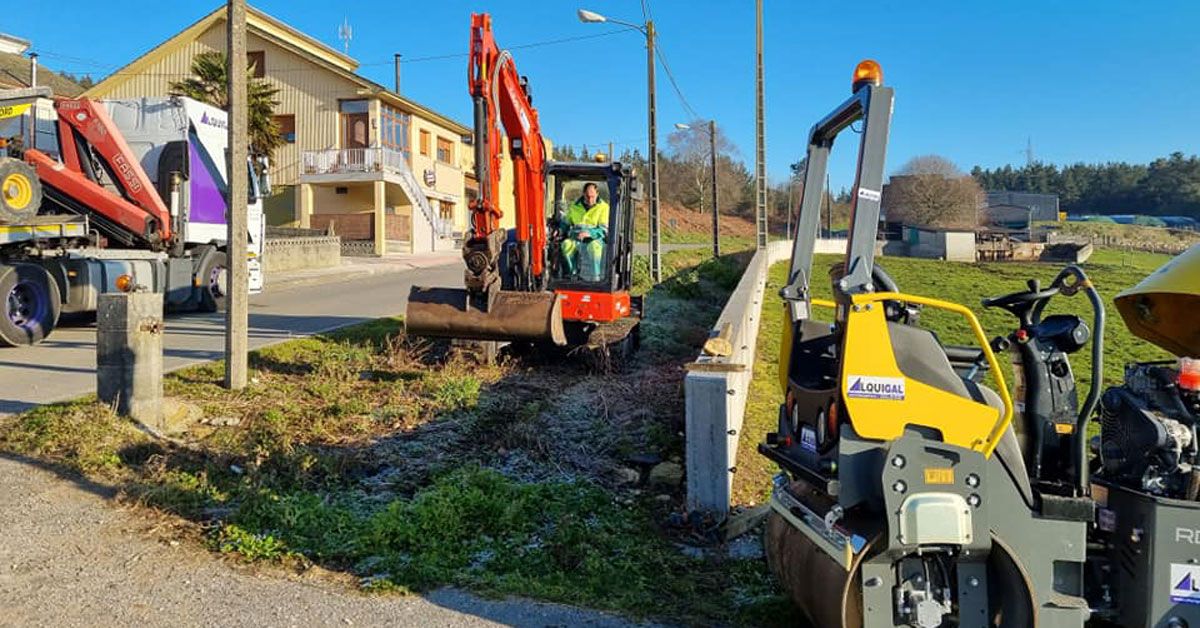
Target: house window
{"points": [[445, 150], [287, 127], [394, 130], [355, 123], [425, 143], [257, 59], [446, 210]]}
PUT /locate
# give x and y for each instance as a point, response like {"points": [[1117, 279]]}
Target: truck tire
{"points": [[213, 269], [30, 305], [20, 191]]}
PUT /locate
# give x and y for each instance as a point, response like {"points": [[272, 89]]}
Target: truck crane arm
{"points": [[84, 131], [501, 97]]}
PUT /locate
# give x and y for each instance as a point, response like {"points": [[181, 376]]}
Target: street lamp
{"points": [[712, 144], [647, 29]]}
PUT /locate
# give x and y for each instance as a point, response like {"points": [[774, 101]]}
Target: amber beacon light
{"points": [[865, 72]]}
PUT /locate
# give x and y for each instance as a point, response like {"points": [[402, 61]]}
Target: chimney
{"points": [[33, 56], [397, 60]]}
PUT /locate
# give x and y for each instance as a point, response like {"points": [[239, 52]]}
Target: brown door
{"points": [[356, 131]]}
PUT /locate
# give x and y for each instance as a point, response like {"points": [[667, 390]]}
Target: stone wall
{"points": [[284, 254]]}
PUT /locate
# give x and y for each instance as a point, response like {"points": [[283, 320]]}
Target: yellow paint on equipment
{"points": [[961, 421], [1162, 307], [1064, 428], [17, 190], [937, 475], [12, 111], [785, 348]]}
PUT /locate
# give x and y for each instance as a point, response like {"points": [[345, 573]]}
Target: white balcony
{"points": [[351, 164]]}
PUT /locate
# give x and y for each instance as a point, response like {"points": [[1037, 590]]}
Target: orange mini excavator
{"points": [[562, 275]]}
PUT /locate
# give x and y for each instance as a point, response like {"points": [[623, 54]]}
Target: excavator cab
{"points": [[586, 243]]}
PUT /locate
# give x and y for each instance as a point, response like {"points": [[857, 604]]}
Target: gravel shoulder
{"points": [[73, 557]]}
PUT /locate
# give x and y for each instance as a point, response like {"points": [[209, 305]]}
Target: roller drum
{"points": [[823, 590]]}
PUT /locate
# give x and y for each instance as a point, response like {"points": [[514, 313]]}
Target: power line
{"points": [[439, 57], [648, 14], [536, 44], [675, 85]]}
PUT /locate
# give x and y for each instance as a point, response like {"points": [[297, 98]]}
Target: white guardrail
{"points": [[716, 387]]}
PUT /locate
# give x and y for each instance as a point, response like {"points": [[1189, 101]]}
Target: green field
{"points": [[1111, 271]]}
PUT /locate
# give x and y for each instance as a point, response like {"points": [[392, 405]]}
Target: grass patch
{"points": [[1112, 271], [399, 462]]}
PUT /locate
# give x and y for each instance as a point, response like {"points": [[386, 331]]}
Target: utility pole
{"points": [[655, 258], [760, 140], [237, 284], [716, 232]]}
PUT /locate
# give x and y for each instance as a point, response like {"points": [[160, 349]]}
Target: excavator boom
{"points": [[527, 311]]}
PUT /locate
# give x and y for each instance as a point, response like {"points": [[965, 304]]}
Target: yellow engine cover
{"points": [[1162, 307], [882, 401]]}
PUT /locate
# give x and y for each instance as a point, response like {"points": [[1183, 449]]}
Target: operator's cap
{"points": [[1162, 308]]}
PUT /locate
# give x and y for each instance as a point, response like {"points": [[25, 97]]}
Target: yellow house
{"points": [[378, 167]]}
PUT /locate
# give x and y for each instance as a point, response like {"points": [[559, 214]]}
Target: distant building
{"points": [[379, 167], [13, 45], [1004, 216], [952, 245], [1044, 206]]}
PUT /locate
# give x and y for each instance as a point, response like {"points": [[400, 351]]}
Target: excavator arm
{"points": [[501, 98], [135, 213]]}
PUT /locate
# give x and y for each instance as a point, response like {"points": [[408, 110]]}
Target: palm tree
{"points": [[208, 84]]}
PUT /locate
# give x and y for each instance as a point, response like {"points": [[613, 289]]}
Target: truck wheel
{"points": [[212, 282], [31, 305], [20, 191]]}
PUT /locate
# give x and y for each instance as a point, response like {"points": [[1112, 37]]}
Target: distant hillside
{"points": [[14, 73]]}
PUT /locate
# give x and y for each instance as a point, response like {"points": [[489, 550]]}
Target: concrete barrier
{"points": [[716, 387], [284, 254]]}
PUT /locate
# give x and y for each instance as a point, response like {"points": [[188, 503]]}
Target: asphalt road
{"points": [[64, 365]]}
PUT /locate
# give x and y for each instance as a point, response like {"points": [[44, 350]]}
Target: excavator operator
{"points": [[586, 228]]}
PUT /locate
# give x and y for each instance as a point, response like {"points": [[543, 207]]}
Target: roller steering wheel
{"points": [[896, 311], [1021, 304]]}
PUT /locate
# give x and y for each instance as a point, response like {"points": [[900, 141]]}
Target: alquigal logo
{"points": [[213, 121], [867, 387], [1186, 589]]}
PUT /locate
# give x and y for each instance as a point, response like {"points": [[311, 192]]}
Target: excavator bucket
{"points": [[513, 316]]}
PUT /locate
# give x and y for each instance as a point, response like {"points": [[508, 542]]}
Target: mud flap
{"points": [[513, 316]]}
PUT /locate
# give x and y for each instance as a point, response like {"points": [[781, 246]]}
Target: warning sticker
{"points": [[1185, 583], [869, 195], [867, 387]]}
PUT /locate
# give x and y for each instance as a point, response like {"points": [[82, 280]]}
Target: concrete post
{"points": [[304, 199], [129, 353], [380, 231], [237, 295]]}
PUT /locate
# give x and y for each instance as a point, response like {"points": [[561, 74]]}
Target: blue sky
{"points": [[1086, 81]]}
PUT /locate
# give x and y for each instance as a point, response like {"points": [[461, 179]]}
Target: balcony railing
{"points": [[383, 160], [353, 160]]}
